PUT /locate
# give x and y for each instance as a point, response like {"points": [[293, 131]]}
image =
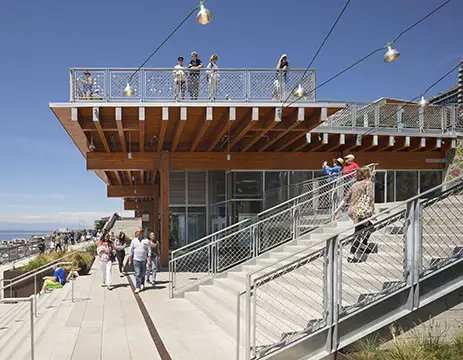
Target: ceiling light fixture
{"points": [[391, 54]]}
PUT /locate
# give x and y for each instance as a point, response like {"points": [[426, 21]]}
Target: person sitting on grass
{"points": [[57, 281]]}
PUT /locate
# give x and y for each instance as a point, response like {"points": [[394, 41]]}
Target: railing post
{"points": [[421, 118], [295, 219], [142, 85], [331, 292], [107, 84], [31, 309], [377, 123], [248, 318], [399, 118], [71, 86], [238, 325], [354, 116], [413, 252], [442, 120], [35, 294]]}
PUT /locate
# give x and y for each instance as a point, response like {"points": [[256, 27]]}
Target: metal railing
{"points": [[31, 300], [312, 291], [380, 115], [201, 260], [104, 84], [19, 251]]}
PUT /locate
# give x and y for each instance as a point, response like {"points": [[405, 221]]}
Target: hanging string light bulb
{"points": [[391, 54], [204, 15], [423, 102], [300, 92], [128, 90]]}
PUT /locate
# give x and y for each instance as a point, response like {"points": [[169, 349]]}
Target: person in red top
{"points": [[350, 166]]}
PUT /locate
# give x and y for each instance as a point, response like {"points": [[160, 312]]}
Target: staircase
{"points": [[303, 300]]}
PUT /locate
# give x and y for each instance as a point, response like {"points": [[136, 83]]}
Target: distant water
{"points": [[19, 234]]}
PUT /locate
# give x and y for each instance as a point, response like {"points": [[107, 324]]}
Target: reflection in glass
{"points": [[380, 186], [177, 193], [299, 176], [390, 186], [216, 186], [406, 184], [430, 179], [196, 223], [241, 210], [246, 185], [196, 187], [177, 227], [276, 190]]}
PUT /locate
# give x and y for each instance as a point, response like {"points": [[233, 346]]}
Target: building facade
{"points": [[193, 166]]}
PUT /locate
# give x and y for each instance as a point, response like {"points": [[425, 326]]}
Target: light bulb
{"points": [[129, 155], [204, 15], [228, 157], [300, 92], [391, 54], [128, 90], [423, 102]]}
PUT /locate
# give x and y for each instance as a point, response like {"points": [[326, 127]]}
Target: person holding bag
{"points": [[361, 207], [107, 255]]}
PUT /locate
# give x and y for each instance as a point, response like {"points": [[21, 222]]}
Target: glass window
{"points": [[196, 187], [406, 184], [177, 194], [390, 186], [241, 210], [247, 185], [216, 186], [196, 223], [276, 189], [177, 227], [380, 186], [430, 179], [217, 217], [299, 176]]}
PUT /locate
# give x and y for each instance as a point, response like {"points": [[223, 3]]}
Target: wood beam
{"points": [[224, 129], [119, 161], [120, 129], [272, 119], [120, 191], [180, 126], [406, 144], [165, 166], [141, 118], [374, 143], [202, 131], [99, 129], [293, 140], [390, 144], [137, 204], [341, 142], [162, 132], [307, 141], [299, 121], [142, 177], [118, 177], [245, 128], [129, 177], [422, 145]]}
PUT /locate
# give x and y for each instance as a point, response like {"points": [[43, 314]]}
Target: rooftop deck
{"points": [[103, 84]]}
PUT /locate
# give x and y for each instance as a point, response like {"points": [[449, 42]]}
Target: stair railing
{"points": [[191, 266], [304, 298]]}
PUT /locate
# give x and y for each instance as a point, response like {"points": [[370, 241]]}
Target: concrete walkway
{"points": [[100, 324], [187, 333]]}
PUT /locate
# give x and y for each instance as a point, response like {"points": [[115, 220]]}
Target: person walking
{"points": [[212, 76], [155, 256], [120, 246], [193, 81], [106, 256], [58, 243], [361, 202], [351, 166], [280, 81], [140, 254], [179, 79]]}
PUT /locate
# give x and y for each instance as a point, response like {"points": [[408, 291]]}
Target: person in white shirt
{"points": [[140, 255], [213, 76], [179, 79]]}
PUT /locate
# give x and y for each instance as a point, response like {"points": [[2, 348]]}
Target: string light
{"points": [[391, 54]]}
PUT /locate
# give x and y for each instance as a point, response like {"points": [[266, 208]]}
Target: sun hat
{"points": [[349, 157], [194, 53], [340, 160]]}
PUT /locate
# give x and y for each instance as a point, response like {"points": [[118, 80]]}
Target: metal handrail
{"points": [[256, 278], [31, 300], [251, 219]]}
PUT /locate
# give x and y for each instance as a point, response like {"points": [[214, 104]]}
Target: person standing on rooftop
{"points": [[213, 76], [193, 81], [280, 81], [140, 254], [179, 79], [351, 166]]}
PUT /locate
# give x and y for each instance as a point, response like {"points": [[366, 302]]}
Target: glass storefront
{"points": [[203, 202]]}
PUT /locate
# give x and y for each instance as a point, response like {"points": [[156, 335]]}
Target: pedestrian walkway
{"points": [[100, 324], [187, 333]]}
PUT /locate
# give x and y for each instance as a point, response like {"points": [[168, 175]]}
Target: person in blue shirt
{"points": [[335, 170], [57, 281]]}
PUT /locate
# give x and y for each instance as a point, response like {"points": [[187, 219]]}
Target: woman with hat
{"points": [[335, 170], [350, 167]]}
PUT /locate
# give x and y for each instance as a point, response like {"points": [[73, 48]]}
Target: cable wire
{"points": [[163, 42], [320, 48], [375, 51]]}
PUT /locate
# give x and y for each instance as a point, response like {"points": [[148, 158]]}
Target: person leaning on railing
{"points": [[179, 79], [360, 198], [213, 76], [335, 170], [193, 81], [280, 81]]}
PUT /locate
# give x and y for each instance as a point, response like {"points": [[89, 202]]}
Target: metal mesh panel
{"points": [[432, 118], [118, 80], [388, 116], [442, 232], [235, 249], [275, 230], [365, 115], [88, 85], [380, 268], [159, 84], [290, 303], [189, 269]]}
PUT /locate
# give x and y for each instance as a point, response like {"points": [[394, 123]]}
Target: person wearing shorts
{"points": [[57, 281]]}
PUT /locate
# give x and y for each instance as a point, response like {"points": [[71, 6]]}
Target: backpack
{"points": [[363, 209]]}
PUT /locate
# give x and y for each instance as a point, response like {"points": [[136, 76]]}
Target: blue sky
{"points": [[44, 182]]}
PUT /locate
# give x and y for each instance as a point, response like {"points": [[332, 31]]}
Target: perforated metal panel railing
{"points": [[165, 83], [312, 291], [201, 260], [397, 117]]}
